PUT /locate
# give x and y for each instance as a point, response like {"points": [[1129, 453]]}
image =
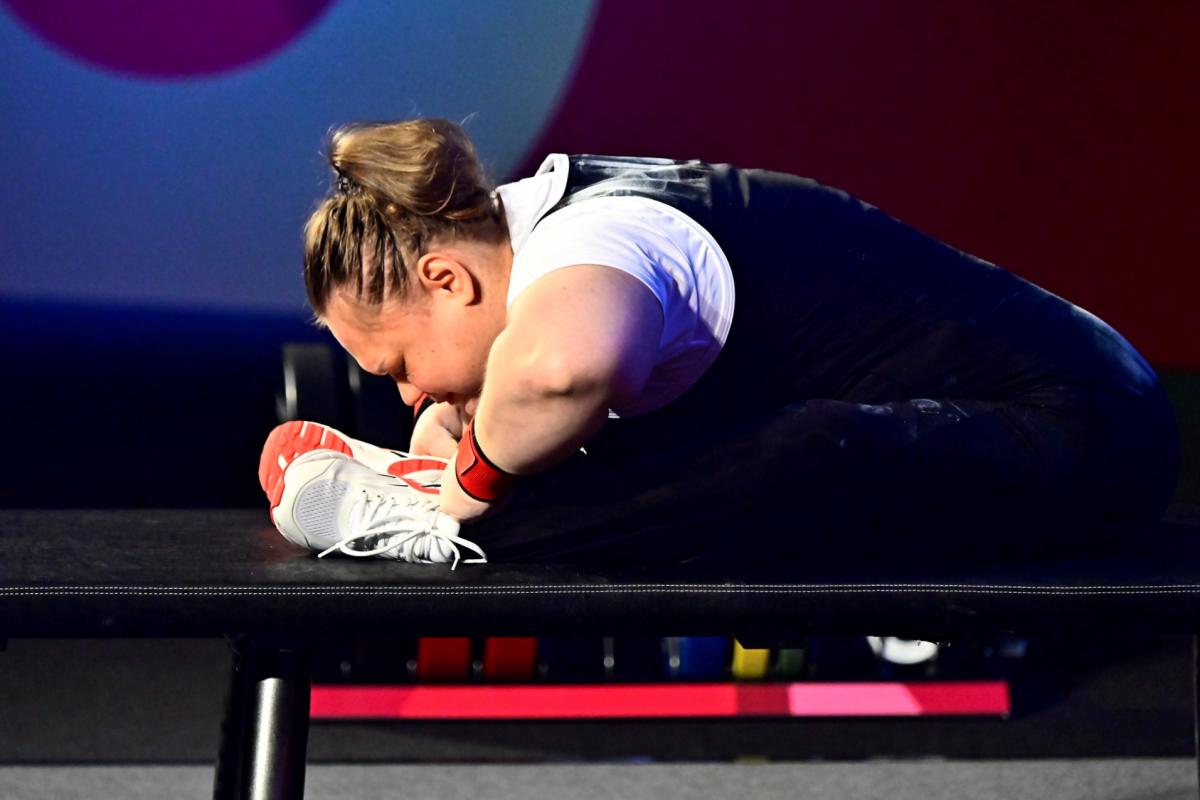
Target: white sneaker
{"points": [[291, 439], [331, 502]]}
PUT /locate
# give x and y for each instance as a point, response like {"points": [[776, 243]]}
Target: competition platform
{"points": [[212, 573]]}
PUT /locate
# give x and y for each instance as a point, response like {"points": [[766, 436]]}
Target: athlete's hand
{"points": [[438, 430], [457, 503]]}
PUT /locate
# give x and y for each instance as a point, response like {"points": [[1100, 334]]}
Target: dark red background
{"points": [[1057, 140]]}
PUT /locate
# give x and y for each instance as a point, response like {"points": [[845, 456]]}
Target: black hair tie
{"points": [[346, 184]]}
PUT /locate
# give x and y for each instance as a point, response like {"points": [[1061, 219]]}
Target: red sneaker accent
{"points": [[420, 487], [402, 468], [288, 441]]}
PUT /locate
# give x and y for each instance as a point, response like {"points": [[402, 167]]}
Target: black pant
{"points": [[922, 480]]}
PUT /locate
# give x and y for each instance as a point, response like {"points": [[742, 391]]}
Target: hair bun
{"points": [[398, 187]]}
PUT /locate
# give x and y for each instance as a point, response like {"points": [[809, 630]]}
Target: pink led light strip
{"points": [[567, 701]]}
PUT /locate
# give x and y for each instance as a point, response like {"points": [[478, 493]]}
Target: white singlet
{"points": [[669, 252]]}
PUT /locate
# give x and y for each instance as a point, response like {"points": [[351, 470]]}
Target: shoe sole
{"points": [[287, 441]]}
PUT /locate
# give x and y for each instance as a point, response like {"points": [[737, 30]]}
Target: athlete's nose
{"points": [[410, 394]]}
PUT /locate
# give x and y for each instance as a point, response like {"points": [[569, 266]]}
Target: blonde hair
{"points": [[399, 187]]}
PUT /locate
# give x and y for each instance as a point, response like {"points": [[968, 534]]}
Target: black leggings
{"points": [[917, 480]]}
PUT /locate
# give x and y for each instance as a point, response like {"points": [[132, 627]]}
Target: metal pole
{"points": [[276, 761], [265, 735]]}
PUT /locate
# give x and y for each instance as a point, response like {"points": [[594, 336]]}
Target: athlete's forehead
{"points": [[376, 335]]}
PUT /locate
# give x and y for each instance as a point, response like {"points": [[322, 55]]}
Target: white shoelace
{"points": [[393, 520]]}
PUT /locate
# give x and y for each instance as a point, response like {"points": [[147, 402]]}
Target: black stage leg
{"points": [[228, 776], [265, 731]]}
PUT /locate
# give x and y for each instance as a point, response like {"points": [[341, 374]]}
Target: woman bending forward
{"points": [[644, 360]]}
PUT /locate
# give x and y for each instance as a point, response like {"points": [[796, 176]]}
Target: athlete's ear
{"points": [[446, 278]]}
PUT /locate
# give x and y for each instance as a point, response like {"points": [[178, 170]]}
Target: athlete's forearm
{"points": [[579, 340], [535, 409]]}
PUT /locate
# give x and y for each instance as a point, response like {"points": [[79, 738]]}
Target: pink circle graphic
{"points": [[169, 38]]}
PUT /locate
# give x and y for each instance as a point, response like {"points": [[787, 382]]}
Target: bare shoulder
{"points": [[593, 317], [581, 291]]}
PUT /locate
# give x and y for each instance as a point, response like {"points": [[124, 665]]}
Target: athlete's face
{"points": [[424, 344]]}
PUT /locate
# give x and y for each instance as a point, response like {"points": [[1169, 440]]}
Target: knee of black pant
{"points": [[1137, 456]]}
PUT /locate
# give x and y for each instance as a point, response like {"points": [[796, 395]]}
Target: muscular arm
{"points": [[579, 340]]}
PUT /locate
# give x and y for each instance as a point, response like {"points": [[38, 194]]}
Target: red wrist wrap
{"points": [[478, 476]]}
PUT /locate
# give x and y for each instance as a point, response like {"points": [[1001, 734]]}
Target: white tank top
{"points": [[677, 260]]}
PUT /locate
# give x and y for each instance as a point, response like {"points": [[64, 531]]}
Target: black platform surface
{"points": [[206, 573]]}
